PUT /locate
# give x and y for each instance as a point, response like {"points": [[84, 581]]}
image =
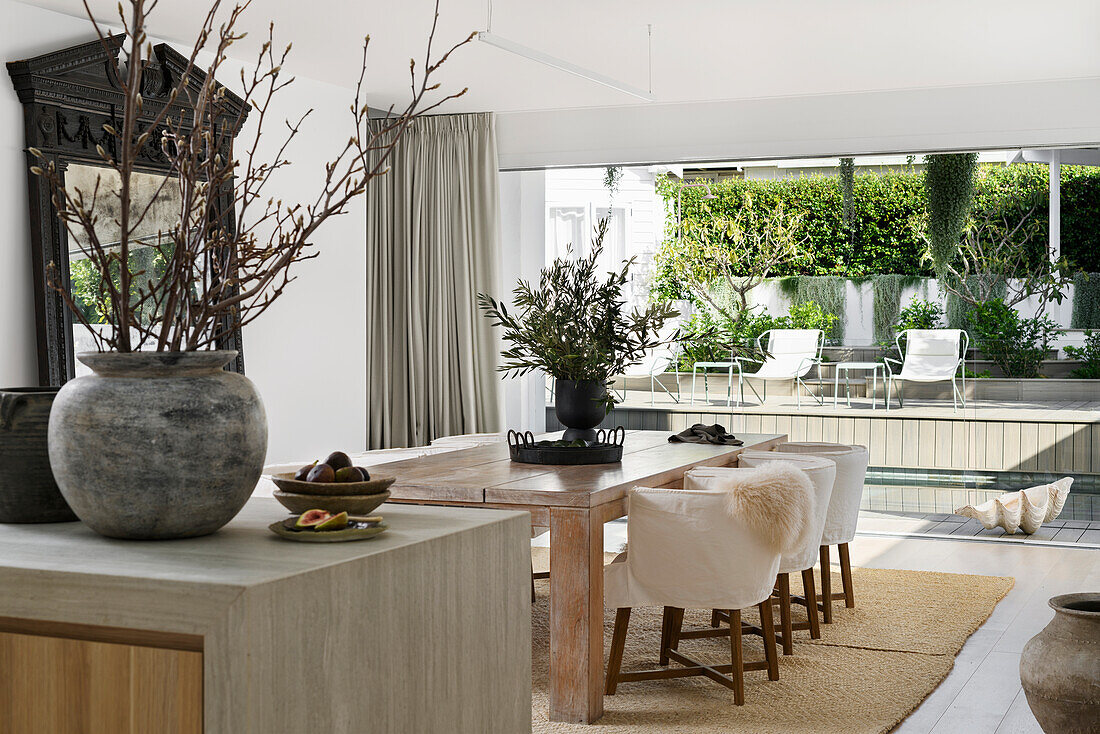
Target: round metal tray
{"points": [[608, 449]]}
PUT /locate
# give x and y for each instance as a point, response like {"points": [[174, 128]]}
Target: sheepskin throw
{"points": [[776, 499]]}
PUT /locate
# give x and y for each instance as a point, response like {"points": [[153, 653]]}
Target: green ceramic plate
{"points": [[356, 530]]}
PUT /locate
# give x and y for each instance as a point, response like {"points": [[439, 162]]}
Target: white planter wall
{"points": [[859, 308]]}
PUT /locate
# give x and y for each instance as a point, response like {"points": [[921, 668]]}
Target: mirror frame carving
{"points": [[67, 97]]}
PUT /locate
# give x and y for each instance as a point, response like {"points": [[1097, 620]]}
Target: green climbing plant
{"points": [[848, 196], [1086, 301], [886, 290], [949, 192]]}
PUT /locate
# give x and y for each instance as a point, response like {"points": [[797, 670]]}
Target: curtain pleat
{"points": [[433, 241]]}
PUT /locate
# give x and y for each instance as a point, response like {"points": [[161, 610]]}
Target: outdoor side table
{"points": [[847, 367]]}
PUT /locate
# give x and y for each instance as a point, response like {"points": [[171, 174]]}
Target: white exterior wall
{"points": [[642, 209]]}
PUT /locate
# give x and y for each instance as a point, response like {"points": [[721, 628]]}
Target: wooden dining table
{"points": [[574, 502]]}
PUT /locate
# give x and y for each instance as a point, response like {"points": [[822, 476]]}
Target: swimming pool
{"points": [[944, 491]]}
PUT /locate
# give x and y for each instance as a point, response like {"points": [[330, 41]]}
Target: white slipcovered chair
{"points": [[930, 355], [705, 549], [791, 354], [801, 557], [840, 521]]}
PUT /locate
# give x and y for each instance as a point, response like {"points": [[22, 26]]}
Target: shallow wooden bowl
{"points": [[361, 504], [378, 483]]}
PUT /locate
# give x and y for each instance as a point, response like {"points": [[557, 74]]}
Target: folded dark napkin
{"points": [[699, 433]]}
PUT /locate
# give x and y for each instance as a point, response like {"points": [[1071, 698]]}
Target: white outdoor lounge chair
{"points": [[930, 355], [791, 354], [654, 364]]}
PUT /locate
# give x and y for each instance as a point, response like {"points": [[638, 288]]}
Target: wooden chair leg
{"points": [[784, 581], [715, 617], [826, 586], [618, 643], [810, 591], [846, 576], [767, 626], [676, 626], [666, 634], [737, 657]]}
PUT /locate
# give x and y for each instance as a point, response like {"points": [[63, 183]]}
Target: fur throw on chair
{"points": [[776, 500]]}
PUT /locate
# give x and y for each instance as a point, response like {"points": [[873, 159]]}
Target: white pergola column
{"points": [[1055, 205]]}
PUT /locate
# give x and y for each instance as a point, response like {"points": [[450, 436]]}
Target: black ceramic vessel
{"points": [[28, 492], [580, 406]]}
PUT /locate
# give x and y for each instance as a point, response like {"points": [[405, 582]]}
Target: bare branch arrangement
{"points": [[230, 253]]}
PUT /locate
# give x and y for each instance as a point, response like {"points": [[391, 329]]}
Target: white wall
{"points": [[642, 211], [18, 341], [937, 119], [306, 354]]}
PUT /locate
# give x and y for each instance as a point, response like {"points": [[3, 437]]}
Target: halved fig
{"points": [[312, 518]]}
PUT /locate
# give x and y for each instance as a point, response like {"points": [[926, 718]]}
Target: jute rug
{"points": [[874, 665]]}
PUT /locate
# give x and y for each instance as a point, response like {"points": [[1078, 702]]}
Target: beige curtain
{"points": [[433, 241]]}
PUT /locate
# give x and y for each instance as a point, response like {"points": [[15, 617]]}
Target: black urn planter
{"points": [[580, 406], [28, 492]]}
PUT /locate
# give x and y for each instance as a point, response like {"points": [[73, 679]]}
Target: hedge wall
{"points": [[886, 205]]}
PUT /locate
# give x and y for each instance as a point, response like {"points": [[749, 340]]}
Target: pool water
{"points": [[941, 491]]}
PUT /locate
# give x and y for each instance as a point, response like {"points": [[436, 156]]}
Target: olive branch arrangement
{"points": [[230, 252], [575, 326]]}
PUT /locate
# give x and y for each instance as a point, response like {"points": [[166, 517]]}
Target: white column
{"points": [[523, 253], [1055, 204]]}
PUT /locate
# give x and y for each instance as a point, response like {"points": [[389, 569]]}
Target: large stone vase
{"points": [[580, 406], [28, 492], [157, 445], [1060, 667]]}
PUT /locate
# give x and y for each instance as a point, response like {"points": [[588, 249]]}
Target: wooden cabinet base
{"points": [[56, 685]]}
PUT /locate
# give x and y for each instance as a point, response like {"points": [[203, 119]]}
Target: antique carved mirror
{"points": [[68, 96]]}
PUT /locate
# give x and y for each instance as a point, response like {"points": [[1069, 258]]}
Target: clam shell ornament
{"points": [[1024, 510]]}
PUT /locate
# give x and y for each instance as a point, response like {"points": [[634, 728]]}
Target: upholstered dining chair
{"points": [[840, 521], [705, 549], [800, 558]]}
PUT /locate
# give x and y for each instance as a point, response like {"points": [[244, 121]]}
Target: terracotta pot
{"points": [[28, 492], [580, 406], [1060, 667], [157, 444]]}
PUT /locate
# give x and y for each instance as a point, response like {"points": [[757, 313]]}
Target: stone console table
{"points": [[425, 628]]}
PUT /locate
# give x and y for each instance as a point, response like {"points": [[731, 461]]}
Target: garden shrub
{"points": [[1089, 355], [1017, 345], [828, 292], [920, 314], [1086, 301]]}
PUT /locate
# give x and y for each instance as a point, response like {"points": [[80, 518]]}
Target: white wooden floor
{"points": [[982, 694]]}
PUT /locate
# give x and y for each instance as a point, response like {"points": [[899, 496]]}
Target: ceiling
{"points": [[702, 51]]}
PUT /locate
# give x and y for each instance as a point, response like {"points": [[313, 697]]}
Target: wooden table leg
{"points": [[576, 615]]}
